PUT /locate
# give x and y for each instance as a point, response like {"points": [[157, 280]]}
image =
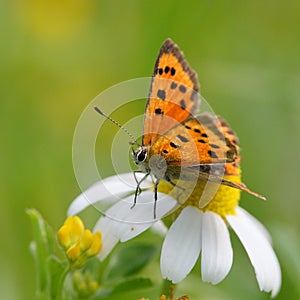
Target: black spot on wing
{"points": [[173, 71], [234, 141], [197, 130], [182, 138], [173, 145], [214, 146], [182, 104], [201, 141], [212, 154], [182, 88], [158, 111], [173, 85], [161, 94]]}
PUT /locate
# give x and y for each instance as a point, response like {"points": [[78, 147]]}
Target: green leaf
{"points": [[128, 260], [40, 247], [50, 270]]}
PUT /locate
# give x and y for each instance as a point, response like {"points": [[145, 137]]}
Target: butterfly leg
{"points": [[168, 179], [155, 198], [136, 180], [138, 188]]}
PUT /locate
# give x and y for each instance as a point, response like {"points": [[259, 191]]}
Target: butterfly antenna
{"points": [[116, 123]]}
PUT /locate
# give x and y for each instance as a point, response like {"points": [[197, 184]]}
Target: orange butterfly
{"points": [[177, 143]]}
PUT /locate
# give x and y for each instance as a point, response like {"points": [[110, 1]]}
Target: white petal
{"points": [[141, 217], [216, 259], [111, 227], [123, 222], [260, 251], [108, 229], [182, 245], [160, 228], [255, 222], [112, 187]]}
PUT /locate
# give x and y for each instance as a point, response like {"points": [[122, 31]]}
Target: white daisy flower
{"points": [[195, 230]]}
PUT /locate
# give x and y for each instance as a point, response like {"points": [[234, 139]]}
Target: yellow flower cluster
{"points": [[79, 243], [84, 284]]}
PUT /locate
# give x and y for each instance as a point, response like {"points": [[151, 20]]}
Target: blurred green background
{"points": [[56, 56]]}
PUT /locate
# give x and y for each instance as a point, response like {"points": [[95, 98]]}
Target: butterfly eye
{"points": [[141, 155]]}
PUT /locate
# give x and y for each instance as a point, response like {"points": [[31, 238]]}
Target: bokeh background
{"points": [[56, 56]]}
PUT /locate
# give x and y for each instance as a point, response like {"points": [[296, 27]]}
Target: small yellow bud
{"points": [[68, 221], [82, 287], [86, 240], [63, 236], [84, 284], [76, 228], [70, 232], [96, 244], [77, 277], [94, 286], [74, 251]]}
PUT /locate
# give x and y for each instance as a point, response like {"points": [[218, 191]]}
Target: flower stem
{"points": [[60, 289], [166, 288]]}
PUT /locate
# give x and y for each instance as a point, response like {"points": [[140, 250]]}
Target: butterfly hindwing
{"points": [[173, 95], [233, 167], [197, 141]]}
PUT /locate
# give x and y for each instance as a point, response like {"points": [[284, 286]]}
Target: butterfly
{"points": [[177, 142]]}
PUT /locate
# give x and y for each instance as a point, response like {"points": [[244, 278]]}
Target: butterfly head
{"points": [[140, 155], [149, 162]]}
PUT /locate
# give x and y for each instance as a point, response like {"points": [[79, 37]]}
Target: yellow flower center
{"points": [[224, 201]]}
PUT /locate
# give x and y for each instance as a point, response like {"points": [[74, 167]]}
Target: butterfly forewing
{"points": [[173, 93]]}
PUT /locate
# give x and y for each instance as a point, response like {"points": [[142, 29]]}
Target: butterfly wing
{"points": [[171, 131], [233, 167], [197, 141], [205, 144], [173, 95]]}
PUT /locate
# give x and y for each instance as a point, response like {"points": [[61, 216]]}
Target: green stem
{"points": [[60, 289], [165, 287]]}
